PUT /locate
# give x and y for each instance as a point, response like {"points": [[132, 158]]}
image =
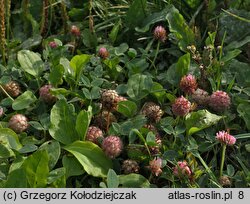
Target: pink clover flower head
{"points": [[53, 44], [75, 31], [112, 146], [188, 84], [181, 106], [225, 138], [182, 169], [103, 53], [155, 166], [219, 101], [160, 33]]}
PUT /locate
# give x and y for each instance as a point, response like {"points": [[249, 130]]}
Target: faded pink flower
{"points": [[52, 44], [219, 101], [18, 123], [45, 94], [188, 84], [112, 146], [103, 53], [160, 33], [155, 166], [182, 169], [181, 106], [201, 97], [225, 138], [75, 31], [94, 134]]}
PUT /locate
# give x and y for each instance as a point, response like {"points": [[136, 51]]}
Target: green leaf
{"points": [[28, 148], [82, 122], [57, 179], [133, 181], [78, 62], [68, 162], [244, 111], [112, 179], [56, 75], [127, 108], [231, 55], [241, 70], [176, 71], [24, 101], [179, 27], [114, 31], [9, 138], [183, 65], [14, 176], [37, 169], [5, 152], [91, 157], [136, 13], [139, 86], [53, 149], [63, 122], [137, 65], [30, 62], [230, 170], [36, 125], [242, 136], [211, 38], [89, 38], [158, 92], [170, 155], [150, 139], [237, 44], [133, 123], [196, 121], [121, 49], [66, 65], [247, 146], [31, 42], [152, 19]]}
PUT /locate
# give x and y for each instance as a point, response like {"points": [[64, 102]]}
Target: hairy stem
{"points": [[223, 153]]}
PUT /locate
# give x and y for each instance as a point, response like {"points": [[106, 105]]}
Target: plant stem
{"points": [[156, 53], [222, 158], [6, 93]]}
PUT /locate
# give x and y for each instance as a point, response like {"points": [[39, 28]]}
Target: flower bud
{"points": [[160, 33]]}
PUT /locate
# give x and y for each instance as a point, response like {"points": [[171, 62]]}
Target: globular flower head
{"points": [[45, 94], [75, 31], [219, 101], [152, 111], [155, 166], [225, 181], [94, 134], [188, 84], [103, 53], [12, 88], [52, 44], [225, 138], [110, 99], [160, 33], [18, 123], [130, 166], [200, 97], [182, 169], [181, 106], [112, 146], [154, 150]]}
